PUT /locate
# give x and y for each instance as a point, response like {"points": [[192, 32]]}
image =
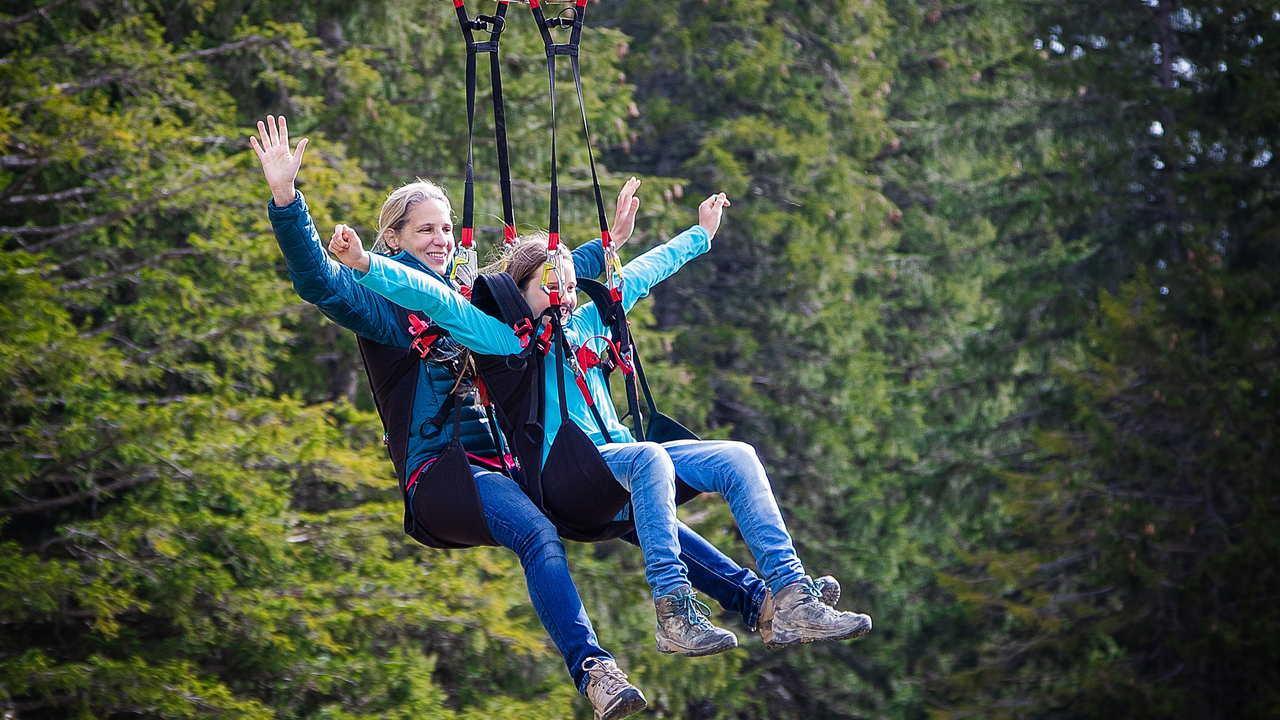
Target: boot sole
{"points": [[862, 629], [630, 703], [670, 648]]}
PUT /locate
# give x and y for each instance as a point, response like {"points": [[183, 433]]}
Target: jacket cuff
{"points": [[299, 205]]}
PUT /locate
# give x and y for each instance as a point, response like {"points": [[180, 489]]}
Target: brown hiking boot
{"points": [[610, 694], [802, 613], [683, 626], [827, 586]]}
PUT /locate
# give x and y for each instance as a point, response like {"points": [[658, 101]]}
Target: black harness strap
{"points": [[553, 49], [621, 331], [494, 25]]}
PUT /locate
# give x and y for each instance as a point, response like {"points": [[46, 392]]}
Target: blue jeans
{"points": [[518, 525], [732, 469], [717, 576]]}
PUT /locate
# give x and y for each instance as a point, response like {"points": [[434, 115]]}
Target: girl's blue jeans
{"points": [[732, 469], [518, 525]]}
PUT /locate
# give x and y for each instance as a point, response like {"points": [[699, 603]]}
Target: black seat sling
{"points": [[446, 511], [574, 488], [465, 265]]}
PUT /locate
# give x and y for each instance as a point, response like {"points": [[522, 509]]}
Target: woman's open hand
{"points": [[278, 164], [709, 212], [345, 244], [624, 217]]}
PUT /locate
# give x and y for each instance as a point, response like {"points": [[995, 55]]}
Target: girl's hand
{"points": [[345, 244], [624, 218], [278, 164], [709, 212]]}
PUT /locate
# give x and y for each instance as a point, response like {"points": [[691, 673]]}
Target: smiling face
{"points": [[428, 234], [539, 300]]}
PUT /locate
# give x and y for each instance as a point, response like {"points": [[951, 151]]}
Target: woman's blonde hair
{"points": [[524, 258], [395, 211]]}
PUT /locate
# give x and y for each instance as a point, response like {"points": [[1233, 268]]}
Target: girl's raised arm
{"points": [[664, 260], [416, 290]]}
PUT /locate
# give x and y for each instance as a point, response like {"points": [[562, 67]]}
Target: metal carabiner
{"points": [[553, 266]]}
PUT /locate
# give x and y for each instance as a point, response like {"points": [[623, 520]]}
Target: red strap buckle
{"points": [[544, 340], [523, 331], [422, 341], [588, 358]]}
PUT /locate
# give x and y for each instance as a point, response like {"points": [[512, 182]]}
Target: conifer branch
{"points": [[156, 260], [31, 15], [55, 503], [71, 230], [215, 334]]}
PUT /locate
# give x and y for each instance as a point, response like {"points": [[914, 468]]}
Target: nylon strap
{"points": [[494, 24]]}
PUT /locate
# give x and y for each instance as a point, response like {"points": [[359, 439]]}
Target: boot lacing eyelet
{"points": [[610, 679], [694, 611]]}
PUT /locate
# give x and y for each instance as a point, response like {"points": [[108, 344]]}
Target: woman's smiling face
{"points": [[428, 235]]}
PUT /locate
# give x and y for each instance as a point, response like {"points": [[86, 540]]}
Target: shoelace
{"points": [[811, 590], [694, 611], [608, 676]]}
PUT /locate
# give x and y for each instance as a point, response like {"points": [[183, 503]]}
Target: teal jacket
{"points": [[333, 289], [485, 334]]}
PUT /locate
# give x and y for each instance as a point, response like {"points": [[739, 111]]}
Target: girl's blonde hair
{"points": [[395, 211], [523, 259]]}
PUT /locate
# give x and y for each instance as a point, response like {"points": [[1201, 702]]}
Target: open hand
{"points": [[346, 245], [278, 164], [624, 217], [709, 212]]}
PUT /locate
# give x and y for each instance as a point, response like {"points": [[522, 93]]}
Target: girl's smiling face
{"points": [[428, 235], [539, 301]]}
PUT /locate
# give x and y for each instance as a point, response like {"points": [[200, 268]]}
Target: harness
{"points": [[465, 259], [445, 511]]}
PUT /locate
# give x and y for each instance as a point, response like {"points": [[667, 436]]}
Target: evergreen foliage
{"points": [[996, 302]]}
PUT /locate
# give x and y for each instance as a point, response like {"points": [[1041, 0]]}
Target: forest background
{"points": [[996, 302]]}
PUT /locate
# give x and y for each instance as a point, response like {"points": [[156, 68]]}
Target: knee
{"points": [[653, 464], [743, 456], [539, 542]]}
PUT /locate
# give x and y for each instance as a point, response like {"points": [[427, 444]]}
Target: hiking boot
{"points": [[683, 626], [801, 613], [610, 694], [827, 586]]}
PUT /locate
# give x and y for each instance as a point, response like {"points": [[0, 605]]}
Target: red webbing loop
{"points": [[457, 4], [524, 331], [586, 394], [468, 237], [508, 234]]}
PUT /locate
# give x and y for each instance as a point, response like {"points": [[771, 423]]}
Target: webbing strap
{"points": [[494, 25], [564, 351], [553, 49]]}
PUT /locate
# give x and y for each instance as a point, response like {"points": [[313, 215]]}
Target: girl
{"points": [[648, 470]]}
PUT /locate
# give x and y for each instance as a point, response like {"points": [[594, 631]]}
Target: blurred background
{"points": [[996, 302]]}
